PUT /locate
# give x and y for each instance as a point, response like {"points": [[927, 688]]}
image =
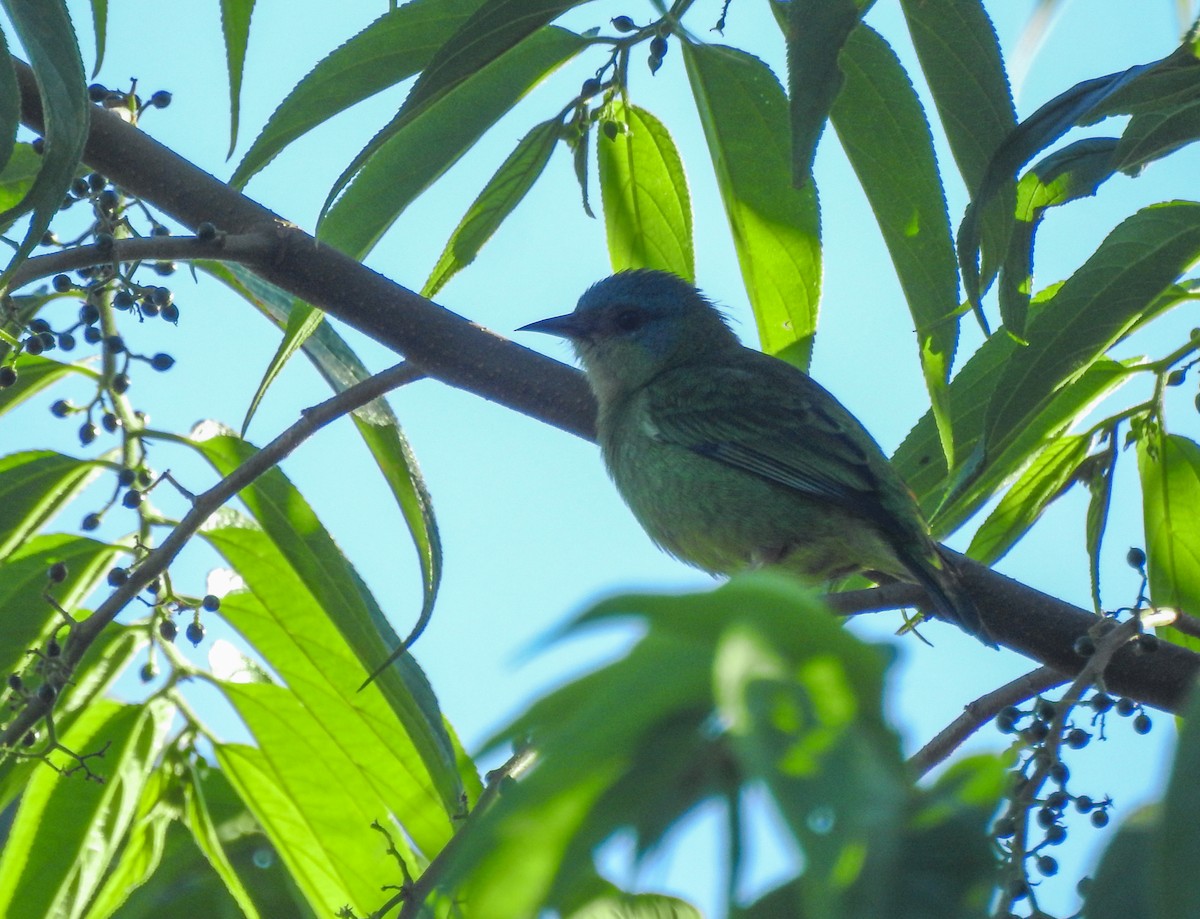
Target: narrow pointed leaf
{"points": [[1177, 845], [45, 31], [881, 125], [959, 53], [647, 208], [1169, 465], [816, 32], [34, 486], [302, 321], [409, 155], [391, 49], [235, 26], [503, 192], [1156, 134], [1046, 479], [336, 587], [1109, 294], [66, 832], [776, 227], [1100, 484], [10, 106], [376, 423], [100, 27]]}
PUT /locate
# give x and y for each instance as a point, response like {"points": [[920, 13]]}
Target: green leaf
{"points": [[341, 597], [410, 154], [1096, 308], [1100, 482], [34, 486], [45, 31], [376, 422], [19, 174], [388, 51], [1074, 172], [776, 227], [1121, 886], [1044, 481], [100, 25], [318, 817], [302, 321], [647, 208], [816, 32], [199, 820], [235, 27], [1169, 466], [503, 192], [881, 125], [1178, 838], [636, 906], [959, 53], [142, 850], [1156, 134], [66, 830], [26, 619], [300, 642], [10, 109], [34, 374]]}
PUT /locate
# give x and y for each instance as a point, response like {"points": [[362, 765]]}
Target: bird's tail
{"points": [[937, 574]]}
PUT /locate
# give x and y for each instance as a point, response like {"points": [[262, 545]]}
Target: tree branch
{"points": [[85, 631], [461, 353]]}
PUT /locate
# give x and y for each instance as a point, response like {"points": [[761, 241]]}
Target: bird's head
{"points": [[630, 327]]}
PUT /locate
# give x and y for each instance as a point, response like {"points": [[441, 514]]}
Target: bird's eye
{"points": [[629, 320]]}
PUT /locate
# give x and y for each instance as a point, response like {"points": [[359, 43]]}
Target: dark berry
{"points": [[87, 433], [206, 232], [66, 341], [92, 335], [1037, 731], [623, 24], [195, 633], [1044, 709], [1147, 642], [8, 377], [114, 344], [132, 499], [49, 341], [160, 99], [29, 739], [90, 522], [122, 300], [39, 326], [108, 200], [590, 87], [161, 296], [164, 268], [159, 230], [149, 308], [1135, 557], [38, 145], [79, 188], [120, 383], [46, 693], [117, 576], [170, 312], [60, 408], [1084, 804], [58, 572], [1084, 646], [1004, 723], [1142, 723], [1099, 819], [1059, 773], [162, 361], [105, 243], [1047, 866], [1101, 702], [33, 345], [1046, 817], [1077, 738], [1126, 707], [88, 314], [148, 672], [110, 422], [658, 47], [97, 92], [168, 629], [125, 477], [210, 603], [1004, 828], [62, 283], [610, 130], [53, 648], [1056, 835], [15, 682], [1058, 800]]}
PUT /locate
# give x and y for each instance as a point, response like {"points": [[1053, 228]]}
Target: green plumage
{"points": [[731, 459]]}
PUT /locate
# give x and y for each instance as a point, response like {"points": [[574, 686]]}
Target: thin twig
{"points": [[85, 632], [978, 713]]}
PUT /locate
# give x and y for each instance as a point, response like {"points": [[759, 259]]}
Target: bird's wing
{"points": [[776, 422]]}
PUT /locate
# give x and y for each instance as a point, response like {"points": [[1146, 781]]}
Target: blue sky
{"points": [[532, 529]]}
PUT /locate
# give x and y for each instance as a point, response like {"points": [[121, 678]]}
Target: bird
{"points": [[733, 460]]}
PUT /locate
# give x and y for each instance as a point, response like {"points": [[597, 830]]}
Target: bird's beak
{"points": [[567, 326]]}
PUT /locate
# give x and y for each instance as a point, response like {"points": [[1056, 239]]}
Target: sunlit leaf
{"points": [[235, 26]]}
